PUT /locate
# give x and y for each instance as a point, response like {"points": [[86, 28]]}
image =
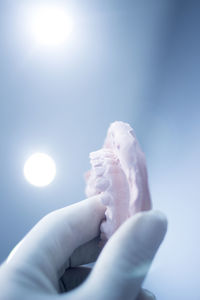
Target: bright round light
{"points": [[40, 169], [50, 25]]}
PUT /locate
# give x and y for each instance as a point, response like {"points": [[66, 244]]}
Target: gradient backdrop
{"points": [[135, 61]]}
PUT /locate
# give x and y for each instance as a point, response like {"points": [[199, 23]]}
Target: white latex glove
{"points": [[65, 239]]}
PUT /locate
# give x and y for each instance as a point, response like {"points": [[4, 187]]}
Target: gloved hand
{"points": [[46, 263]]}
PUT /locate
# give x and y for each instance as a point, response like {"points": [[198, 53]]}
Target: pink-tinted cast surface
{"points": [[119, 175]]}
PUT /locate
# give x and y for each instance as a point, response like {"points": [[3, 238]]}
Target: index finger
{"points": [[52, 241]]}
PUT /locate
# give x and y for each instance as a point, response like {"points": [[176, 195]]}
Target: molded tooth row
{"points": [[102, 162], [102, 152], [102, 184], [106, 198], [99, 170], [109, 213], [102, 155]]}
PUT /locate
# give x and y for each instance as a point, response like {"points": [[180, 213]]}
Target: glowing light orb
{"points": [[40, 169], [50, 25]]}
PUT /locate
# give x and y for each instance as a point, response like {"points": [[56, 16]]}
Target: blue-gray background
{"points": [[135, 61]]}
